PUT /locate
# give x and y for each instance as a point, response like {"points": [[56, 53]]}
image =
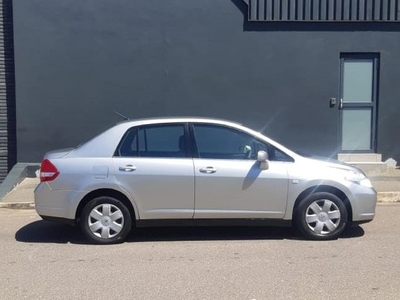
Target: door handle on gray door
{"points": [[340, 104], [208, 170], [127, 168]]}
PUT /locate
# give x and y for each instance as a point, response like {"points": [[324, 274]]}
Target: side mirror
{"points": [[262, 157]]}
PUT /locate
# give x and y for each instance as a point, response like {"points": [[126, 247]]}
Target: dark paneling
{"points": [[77, 61], [325, 10], [7, 91]]}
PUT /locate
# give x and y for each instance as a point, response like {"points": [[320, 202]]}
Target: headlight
{"points": [[358, 178]]}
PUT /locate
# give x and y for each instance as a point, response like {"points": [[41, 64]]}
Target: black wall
{"points": [[78, 61]]}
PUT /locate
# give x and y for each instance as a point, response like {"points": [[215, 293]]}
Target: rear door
{"points": [[153, 165]]}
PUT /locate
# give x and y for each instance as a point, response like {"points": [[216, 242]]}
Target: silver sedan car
{"points": [[197, 171]]}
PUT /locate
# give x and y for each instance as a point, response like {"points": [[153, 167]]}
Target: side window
{"points": [[277, 155], [162, 141], [154, 141], [128, 146], [225, 143]]}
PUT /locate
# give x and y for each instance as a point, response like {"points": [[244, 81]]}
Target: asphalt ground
{"points": [[44, 260]]}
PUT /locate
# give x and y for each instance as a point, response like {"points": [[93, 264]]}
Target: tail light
{"points": [[48, 171]]}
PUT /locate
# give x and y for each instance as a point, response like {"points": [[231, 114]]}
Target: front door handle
{"points": [[127, 168], [208, 170]]}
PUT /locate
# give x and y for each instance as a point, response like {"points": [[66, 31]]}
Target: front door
{"points": [[229, 182], [358, 102]]}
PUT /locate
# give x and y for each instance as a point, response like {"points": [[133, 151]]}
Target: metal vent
{"points": [[324, 10]]}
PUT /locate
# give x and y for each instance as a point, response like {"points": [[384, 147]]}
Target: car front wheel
{"points": [[321, 216], [106, 220]]}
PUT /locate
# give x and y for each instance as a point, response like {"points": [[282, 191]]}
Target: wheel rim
{"points": [[106, 221], [323, 216]]}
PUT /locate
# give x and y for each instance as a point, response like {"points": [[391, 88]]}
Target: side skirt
{"points": [[213, 222], [70, 222]]}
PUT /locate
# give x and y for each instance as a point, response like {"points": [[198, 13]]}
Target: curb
{"points": [[17, 205], [388, 197]]}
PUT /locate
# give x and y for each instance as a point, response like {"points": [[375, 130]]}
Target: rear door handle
{"points": [[127, 168], [208, 170]]}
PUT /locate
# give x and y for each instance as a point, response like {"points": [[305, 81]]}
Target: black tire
{"points": [[110, 222], [321, 216]]}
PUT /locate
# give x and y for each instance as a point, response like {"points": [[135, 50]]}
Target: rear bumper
{"points": [[56, 203]]}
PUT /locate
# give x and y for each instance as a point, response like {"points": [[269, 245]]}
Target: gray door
{"points": [[358, 102], [229, 182], [154, 168]]}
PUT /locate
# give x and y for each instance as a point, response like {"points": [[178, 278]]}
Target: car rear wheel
{"points": [[321, 216], [106, 220]]}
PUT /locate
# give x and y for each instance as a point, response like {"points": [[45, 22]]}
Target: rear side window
{"points": [[154, 141]]}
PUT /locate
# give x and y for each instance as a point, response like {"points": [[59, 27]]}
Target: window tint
{"points": [[221, 142], [225, 143], [128, 146], [277, 155], [154, 141]]}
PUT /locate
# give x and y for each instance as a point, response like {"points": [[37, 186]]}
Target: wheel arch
{"points": [[105, 192], [327, 189]]}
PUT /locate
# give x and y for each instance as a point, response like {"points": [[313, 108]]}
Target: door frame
{"points": [[375, 57]]}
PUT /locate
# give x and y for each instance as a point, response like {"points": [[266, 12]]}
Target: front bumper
{"points": [[363, 202]]}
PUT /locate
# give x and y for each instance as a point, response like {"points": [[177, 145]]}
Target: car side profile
{"points": [[197, 171]]}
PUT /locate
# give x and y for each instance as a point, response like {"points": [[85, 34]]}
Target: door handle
{"points": [[340, 104], [127, 168], [208, 170]]}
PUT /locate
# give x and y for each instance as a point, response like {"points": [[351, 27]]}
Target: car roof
{"points": [[158, 120]]}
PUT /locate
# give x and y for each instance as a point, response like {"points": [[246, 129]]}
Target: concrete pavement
{"points": [[386, 183], [21, 196]]}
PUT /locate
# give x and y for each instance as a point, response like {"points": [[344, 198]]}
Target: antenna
{"points": [[122, 116]]}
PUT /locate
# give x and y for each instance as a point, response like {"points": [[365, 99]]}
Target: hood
{"points": [[331, 163]]}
